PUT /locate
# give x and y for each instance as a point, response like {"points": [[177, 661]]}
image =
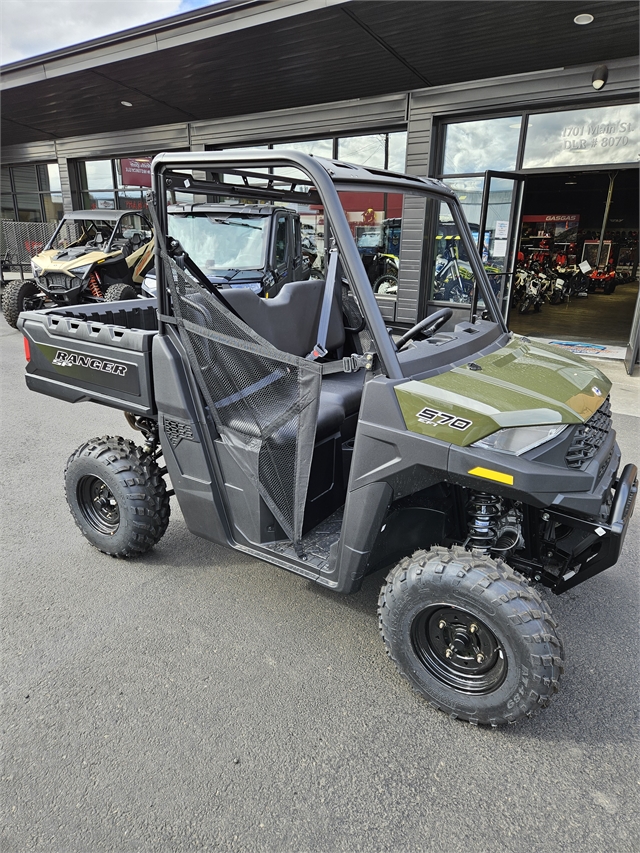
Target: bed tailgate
{"points": [[76, 360]]}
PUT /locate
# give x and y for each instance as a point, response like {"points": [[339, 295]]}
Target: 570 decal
{"points": [[436, 418]]}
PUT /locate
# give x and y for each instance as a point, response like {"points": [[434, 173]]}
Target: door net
{"points": [[264, 402]]}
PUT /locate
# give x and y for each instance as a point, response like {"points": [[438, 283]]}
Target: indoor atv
{"points": [[92, 256], [300, 430]]}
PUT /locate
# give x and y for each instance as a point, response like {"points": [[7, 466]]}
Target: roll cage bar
{"points": [[111, 217], [327, 178]]}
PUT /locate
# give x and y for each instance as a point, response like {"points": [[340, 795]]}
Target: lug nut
{"points": [[480, 657], [448, 653], [473, 628], [442, 624]]}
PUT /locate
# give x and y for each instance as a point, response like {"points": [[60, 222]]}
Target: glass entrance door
{"points": [[498, 231]]}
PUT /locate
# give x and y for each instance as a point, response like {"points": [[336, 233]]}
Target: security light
{"points": [[599, 77]]}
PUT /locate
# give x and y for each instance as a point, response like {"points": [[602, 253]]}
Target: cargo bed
{"points": [[98, 352]]}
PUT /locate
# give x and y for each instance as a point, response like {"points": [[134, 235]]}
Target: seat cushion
{"points": [[344, 389]]}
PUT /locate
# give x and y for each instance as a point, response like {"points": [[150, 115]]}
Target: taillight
{"points": [[27, 349]]}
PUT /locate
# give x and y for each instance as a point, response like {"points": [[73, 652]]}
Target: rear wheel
{"points": [[120, 291], [20, 296], [117, 496], [470, 635]]}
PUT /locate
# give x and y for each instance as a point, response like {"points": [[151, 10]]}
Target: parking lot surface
{"points": [[198, 699]]}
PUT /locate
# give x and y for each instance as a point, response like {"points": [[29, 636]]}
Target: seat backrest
{"points": [[290, 320]]}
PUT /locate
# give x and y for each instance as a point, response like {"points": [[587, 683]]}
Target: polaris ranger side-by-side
{"points": [[300, 430]]}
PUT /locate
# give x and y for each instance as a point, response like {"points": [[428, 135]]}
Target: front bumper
{"points": [[600, 543]]}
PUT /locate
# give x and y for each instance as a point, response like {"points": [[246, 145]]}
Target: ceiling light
{"points": [[569, 183], [600, 76], [126, 103], [583, 19]]}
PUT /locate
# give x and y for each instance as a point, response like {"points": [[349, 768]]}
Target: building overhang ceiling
{"points": [[246, 56]]}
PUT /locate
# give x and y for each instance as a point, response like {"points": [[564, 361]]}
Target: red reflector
{"points": [[27, 350]]}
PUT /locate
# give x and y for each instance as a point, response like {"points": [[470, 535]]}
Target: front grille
{"points": [[589, 437], [59, 281]]}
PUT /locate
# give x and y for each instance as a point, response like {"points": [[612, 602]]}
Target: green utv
{"points": [[301, 430]]}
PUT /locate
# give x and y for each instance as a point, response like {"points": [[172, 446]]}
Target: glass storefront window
{"points": [[53, 209], [131, 200], [317, 147], [98, 174], [363, 150], [33, 191], [29, 207], [585, 137], [98, 201], [25, 179], [475, 146], [49, 177], [397, 151], [7, 207], [452, 279]]}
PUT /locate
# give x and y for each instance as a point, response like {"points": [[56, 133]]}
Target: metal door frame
{"points": [[513, 233]]}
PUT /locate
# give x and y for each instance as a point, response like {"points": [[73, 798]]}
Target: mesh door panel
{"points": [[264, 401]]}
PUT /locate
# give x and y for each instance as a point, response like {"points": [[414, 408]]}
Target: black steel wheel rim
{"points": [[98, 505], [458, 649]]}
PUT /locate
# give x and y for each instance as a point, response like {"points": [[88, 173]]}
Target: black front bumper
{"points": [[602, 543]]}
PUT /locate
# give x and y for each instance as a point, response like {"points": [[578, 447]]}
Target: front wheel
{"points": [[117, 496], [20, 296], [470, 635], [120, 291]]}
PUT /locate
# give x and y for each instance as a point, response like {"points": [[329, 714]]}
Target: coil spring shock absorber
{"points": [[94, 286], [484, 512]]}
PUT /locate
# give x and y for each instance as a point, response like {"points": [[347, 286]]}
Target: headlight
{"points": [[518, 440], [80, 272], [36, 270]]}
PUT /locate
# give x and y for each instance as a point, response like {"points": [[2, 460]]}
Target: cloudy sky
{"points": [[32, 27]]}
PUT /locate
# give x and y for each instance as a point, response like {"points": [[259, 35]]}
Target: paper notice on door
{"points": [[499, 248], [501, 230]]}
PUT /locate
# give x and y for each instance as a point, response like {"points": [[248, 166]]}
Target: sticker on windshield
{"points": [[435, 418]]}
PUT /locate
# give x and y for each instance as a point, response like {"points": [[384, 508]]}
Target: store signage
{"points": [[583, 137], [136, 172]]}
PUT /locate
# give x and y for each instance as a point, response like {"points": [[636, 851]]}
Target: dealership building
{"points": [[529, 111]]}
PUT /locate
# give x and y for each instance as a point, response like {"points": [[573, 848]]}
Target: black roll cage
{"points": [[327, 178]]}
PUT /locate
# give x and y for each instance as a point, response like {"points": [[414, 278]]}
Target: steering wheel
{"points": [[426, 327]]}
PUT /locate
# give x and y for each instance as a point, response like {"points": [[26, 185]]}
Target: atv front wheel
{"points": [[470, 635], [120, 291], [20, 296], [117, 496]]}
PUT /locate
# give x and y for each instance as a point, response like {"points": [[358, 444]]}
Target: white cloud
{"points": [[32, 27]]}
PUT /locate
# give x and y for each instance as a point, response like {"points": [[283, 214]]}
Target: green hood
{"points": [[522, 384]]}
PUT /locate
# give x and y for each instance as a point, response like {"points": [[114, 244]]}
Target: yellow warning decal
{"points": [[488, 474]]}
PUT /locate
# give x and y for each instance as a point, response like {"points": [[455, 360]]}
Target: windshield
{"points": [[218, 242], [82, 232]]}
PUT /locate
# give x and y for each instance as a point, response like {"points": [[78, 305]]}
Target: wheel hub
{"points": [[458, 649], [98, 505]]}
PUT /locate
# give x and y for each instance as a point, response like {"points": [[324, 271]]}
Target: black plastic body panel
{"points": [[187, 443], [77, 359]]}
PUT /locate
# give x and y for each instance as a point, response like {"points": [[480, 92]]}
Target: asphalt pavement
{"points": [[198, 699]]}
